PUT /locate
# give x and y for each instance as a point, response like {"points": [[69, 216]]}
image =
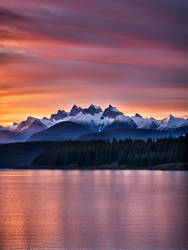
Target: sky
{"points": [[132, 54]]}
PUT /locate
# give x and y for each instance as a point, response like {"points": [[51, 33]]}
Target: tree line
{"points": [[127, 152]]}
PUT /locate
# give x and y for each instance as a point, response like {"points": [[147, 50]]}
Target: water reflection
{"points": [[107, 209]]}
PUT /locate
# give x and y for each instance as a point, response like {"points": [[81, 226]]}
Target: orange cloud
{"points": [[54, 54]]}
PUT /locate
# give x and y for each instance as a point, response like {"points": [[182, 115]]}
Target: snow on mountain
{"points": [[152, 124], [111, 112], [92, 117], [47, 122], [34, 127], [25, 124], [59, 115], [125, 119], [122, 121], [95, 106], [96, 119], [75, 110], [93, 109], [32, 124], [95, 122], [173, 122], [146, 123], [114, 109], [122, 118]]}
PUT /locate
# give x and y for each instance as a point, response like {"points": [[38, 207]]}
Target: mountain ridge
{"points": [[94, 119]]}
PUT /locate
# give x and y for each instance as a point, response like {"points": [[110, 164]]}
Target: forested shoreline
{"points": [[129, 153]]}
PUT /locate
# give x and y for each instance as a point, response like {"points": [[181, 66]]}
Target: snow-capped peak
{"points": [[93, 121], [94, 106], [111, 112], [173, 122], [59, 115], [114, 109], [93, 109], [25, 124], [30, 119], [146, 123], [75, 110], [125, 119], [122, 121], [96, 119], [138, 115]]}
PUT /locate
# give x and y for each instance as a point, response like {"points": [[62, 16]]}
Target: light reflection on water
{"points": [[53, 209]]}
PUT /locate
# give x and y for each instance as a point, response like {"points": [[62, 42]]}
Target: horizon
{"points": [[130, 54], [102, 107]]}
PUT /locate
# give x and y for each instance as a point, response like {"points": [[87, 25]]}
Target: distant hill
{"points": [[61, 132], [135, 134], [21, 153]]}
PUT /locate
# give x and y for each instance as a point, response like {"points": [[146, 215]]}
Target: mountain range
{"points": [[92, 123]]}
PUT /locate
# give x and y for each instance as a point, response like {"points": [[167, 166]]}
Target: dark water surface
{"points": [[132, 210]]}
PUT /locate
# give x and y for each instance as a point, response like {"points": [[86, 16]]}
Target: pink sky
{"points": [[131, 54]]}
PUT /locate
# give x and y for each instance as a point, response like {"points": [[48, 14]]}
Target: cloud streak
{"points": [[112, 51]]}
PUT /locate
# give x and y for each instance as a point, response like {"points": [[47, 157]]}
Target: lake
{"points": [[102, 210]]}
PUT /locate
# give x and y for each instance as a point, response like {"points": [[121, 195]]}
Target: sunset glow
{"points": [[131, 54]]}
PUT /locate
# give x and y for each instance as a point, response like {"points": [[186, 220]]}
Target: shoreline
{"points": [[113, 166]]}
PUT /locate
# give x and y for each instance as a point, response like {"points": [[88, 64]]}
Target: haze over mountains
{"points": [[92, 123]]}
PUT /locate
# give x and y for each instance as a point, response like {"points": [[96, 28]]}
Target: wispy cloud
{"points": [[113, 51]]}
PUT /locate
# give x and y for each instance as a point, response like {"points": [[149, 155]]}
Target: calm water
{"points": [[93, 210]]}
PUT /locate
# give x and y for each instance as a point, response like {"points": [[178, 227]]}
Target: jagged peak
{"points": [[61, 111], [95, 116], [59, 115], [93, 106], [93, 109], [138, 115], [27, 122], [75, 107], [75, 110], [113, 109], [172, 117], [31, 118], [168, 118], [111, 112]]}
